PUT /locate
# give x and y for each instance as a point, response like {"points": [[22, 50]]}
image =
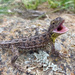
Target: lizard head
{"points": [[56, 26]]}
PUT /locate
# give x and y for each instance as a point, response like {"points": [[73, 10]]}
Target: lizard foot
{"points": [[19, 68], [57, 54]]}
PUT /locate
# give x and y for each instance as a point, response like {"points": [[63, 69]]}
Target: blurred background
{"points": [[18, 7]]}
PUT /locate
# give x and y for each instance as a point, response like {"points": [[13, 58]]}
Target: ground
{"points": [[16, 27]]}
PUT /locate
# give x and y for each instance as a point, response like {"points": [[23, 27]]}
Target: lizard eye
{"points": [[53, 23]]}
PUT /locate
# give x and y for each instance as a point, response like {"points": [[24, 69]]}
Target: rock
{"points": [[58, 46], [1, 29]]}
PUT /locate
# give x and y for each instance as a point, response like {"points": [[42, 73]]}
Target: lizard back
{"points": [[28, 43]]}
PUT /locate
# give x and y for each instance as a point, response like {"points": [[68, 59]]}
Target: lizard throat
{"points": [[61, 28]]}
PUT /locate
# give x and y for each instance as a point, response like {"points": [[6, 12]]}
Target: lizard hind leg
{"points": [[14, 58]]}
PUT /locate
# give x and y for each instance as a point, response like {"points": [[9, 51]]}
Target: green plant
{"points": [[5, 6], [62, 4], [30, 4], [65, 4], [74, 5], [53, 4], [58, 5]]}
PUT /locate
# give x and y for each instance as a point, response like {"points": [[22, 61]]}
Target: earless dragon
{"points": [[55, 29]]}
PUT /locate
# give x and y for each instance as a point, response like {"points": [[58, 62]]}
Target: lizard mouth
{"points": [[61, 28]]}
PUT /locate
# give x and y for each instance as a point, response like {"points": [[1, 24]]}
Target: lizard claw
{"points": [[61, 55]]}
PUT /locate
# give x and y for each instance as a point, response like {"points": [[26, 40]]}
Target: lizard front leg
{"points": [[54, 52]]}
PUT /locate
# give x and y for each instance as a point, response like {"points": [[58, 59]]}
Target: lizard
{"points": [[55, 29]]}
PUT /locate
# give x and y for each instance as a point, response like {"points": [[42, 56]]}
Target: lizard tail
{"points": [[5, 44]]}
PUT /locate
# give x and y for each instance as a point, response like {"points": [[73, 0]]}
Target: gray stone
{"points": [[58, 46], [1, 29]]}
